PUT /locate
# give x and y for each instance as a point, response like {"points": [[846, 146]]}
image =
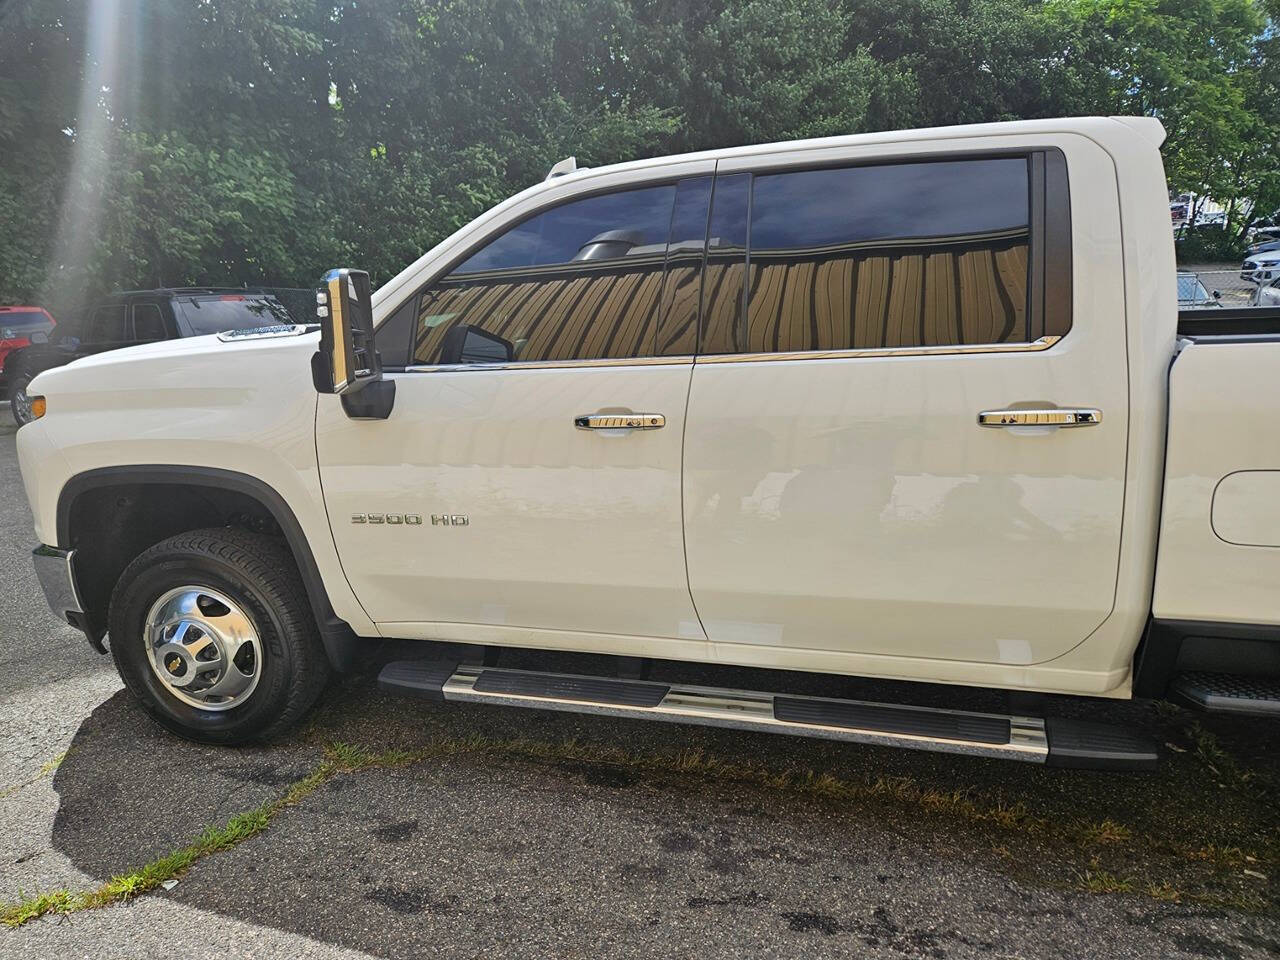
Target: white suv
{"points": [[1261, 268]]}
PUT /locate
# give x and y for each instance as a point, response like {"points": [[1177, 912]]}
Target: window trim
{"points": [[1021, 346], [1049, 184], [552, 364]]}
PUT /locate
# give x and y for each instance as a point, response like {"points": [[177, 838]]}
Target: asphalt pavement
{"points": [[471, 831]]}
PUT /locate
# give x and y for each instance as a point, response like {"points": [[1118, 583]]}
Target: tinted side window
{"points": [[579, 281], [108, 324], [900, 255], [148, 323]]}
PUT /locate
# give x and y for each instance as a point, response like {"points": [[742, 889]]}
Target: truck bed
{"points": [[1233, 321]]}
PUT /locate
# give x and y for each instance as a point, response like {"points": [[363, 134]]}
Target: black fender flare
{"points": [[341, 643]]}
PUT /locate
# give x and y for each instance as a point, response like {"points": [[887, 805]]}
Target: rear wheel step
{"points": [[1056, 741], [1227, 693]]}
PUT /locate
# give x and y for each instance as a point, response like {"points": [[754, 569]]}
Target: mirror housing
{"points": [[347, 361]]}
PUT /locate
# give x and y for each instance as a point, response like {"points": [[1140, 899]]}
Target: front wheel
{"points": [[19, 400], [212, 632]]}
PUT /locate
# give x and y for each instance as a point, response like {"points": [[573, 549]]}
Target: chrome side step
{"points": [[1032, 739]]}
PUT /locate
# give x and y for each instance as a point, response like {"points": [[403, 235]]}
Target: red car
{"points": [[17, 324]]}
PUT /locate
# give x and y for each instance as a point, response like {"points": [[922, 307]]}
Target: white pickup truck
{"points": [[907, 405]]}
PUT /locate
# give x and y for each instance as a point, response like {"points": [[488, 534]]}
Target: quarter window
{"points": [[108, 324], [148, 323], [901, 255], [580, 281]]}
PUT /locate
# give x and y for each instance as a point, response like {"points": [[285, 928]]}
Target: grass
{"points": [[1108, 831], [1208, 750], [1100, 881]]}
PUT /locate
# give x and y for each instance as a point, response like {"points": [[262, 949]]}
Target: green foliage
{"points": [[1209, 244], [1184, 61], [228, 141]]}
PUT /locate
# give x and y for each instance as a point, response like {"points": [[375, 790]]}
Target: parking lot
{"points": [[395, 828]]}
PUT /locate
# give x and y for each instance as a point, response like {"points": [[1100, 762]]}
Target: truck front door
{"points": [[527, 483]]}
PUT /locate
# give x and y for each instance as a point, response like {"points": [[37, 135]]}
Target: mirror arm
{"points": [[374, 401], [320, 376]]}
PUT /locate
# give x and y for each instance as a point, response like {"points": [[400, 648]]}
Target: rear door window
{"points": [[895, 255]]}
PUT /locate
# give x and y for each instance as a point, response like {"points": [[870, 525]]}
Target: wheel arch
{"points": [[215, 497]]}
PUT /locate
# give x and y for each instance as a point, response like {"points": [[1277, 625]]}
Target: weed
{"points": [[1101, 881], [1163, 891], [45, 770], [1108, 831]]}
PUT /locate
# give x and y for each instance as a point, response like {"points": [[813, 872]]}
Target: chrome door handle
{"points": [[624, 421], [1052, 417]]}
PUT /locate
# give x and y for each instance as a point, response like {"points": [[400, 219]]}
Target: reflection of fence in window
{"points": [[567, 311], [915, 292]]}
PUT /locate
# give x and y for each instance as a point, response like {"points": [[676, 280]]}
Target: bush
{"points": [[1209, 244]]}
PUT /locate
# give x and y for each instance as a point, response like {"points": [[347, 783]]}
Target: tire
{"points": [[19, 403], [243, 585]]}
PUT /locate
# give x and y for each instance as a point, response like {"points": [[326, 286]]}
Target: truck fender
{"points": [[340, 641]]}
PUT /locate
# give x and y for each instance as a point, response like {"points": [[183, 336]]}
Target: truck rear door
{"points": [[864, 309]]}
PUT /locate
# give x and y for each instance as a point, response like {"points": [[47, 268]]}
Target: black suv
{"points": [[139, 316]]}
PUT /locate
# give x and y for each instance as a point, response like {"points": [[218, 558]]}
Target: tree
{"points": [[1183, 61], [263, 141]]}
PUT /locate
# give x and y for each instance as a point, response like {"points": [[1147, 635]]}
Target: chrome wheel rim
{"points": [[203, 648], [22, 404]]}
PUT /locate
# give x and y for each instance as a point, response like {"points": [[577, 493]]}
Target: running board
{"points": [[1225, 693], [1057, 742]]}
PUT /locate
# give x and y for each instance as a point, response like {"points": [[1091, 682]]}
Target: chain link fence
{"points": [[1225, 284], [1230, 288]]}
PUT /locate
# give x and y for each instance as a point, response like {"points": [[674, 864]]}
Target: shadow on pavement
{"points": [[498, 852]]}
